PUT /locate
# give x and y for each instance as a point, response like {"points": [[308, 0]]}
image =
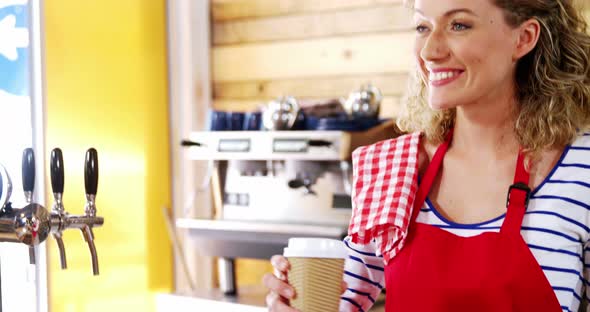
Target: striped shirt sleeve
{"points": [[584, 306], [364, 275]]}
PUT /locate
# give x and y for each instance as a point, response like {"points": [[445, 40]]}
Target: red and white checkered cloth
{"points": [[385, 182]]}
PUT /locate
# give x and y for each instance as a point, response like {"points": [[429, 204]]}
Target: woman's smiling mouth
{"points": [[441, 77]]}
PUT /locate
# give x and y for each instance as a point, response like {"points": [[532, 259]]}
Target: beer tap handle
{"points": [[28, 173], [56, 168], [91, 172], [57, 172], [91, 185]]}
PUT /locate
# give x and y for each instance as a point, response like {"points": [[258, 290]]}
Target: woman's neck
{"points": [[485, 131]]}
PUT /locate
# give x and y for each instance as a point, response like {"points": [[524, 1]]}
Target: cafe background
{"points": [[131, 78]]}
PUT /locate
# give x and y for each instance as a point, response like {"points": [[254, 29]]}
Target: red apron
{"points": [[440, 271]]}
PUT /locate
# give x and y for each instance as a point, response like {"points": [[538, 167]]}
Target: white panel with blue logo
{"points": [[16, 133]]}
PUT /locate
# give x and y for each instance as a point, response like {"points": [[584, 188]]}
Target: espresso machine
{"points": [[33, 224], [269, 186], [290, 190], [293, 178]]}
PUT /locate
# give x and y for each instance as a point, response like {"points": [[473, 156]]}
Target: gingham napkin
{"points": [[385, 182]]}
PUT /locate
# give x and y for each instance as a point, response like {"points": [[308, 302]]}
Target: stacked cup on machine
{"points": [[234, 121]]}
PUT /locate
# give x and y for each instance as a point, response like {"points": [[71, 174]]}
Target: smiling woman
{"points": [[551, 81], [499, 113]]}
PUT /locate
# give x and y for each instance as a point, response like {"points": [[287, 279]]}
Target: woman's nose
{"points": [[435, 47]]}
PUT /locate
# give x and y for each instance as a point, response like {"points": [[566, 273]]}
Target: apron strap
{"points": [[517, 199], [518, 193], [430, 175]]}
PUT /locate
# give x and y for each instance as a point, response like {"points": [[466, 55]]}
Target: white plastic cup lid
{"points": [[305, 247]]}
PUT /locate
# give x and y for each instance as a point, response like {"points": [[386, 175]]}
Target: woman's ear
{"points": [[528, 36]]}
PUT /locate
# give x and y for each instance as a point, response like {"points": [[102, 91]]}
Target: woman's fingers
{"points": [[280, 290], [277, 304], [344, 286], [280, 263], [278, 286]]}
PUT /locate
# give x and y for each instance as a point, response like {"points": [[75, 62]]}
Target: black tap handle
{"points": [[57, 171], [91, 172], [28, 170]]}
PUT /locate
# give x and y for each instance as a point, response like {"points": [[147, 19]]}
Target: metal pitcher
{"points": [[363, 103], [281, 114]]}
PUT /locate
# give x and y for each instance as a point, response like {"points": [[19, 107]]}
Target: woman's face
{"points": [[465, 51]]}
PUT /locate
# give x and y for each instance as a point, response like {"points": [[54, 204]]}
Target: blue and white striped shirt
{"points": [[556, 228]]}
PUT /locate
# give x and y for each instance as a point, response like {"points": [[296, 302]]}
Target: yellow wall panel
{"points": [[106, 88]]}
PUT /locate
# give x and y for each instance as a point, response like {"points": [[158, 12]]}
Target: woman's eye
{"points": [[421, 29], [459, 27]]}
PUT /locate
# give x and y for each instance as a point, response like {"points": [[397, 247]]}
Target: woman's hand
{"points": [[281, 292]]}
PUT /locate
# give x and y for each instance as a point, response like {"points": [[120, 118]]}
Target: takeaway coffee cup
{"points": [[317, 265]]}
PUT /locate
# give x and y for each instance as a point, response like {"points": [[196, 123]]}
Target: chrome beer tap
{"points": [[56, 168], [91, 186], [61, 220], [28, 225], [32, 224], [28, 176]]}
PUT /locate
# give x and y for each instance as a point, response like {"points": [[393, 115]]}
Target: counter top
{"points": [[250, 299]]}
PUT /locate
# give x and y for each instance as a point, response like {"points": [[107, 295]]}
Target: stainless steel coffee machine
{"points": [[288, 176]]}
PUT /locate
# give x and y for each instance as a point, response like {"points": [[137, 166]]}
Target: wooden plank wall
{"points": [[312, 49]]}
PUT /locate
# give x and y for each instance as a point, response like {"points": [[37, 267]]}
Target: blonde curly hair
{"points": [[553, 80]]}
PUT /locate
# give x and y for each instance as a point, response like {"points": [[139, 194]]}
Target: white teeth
{"points": [[442, 75]]}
